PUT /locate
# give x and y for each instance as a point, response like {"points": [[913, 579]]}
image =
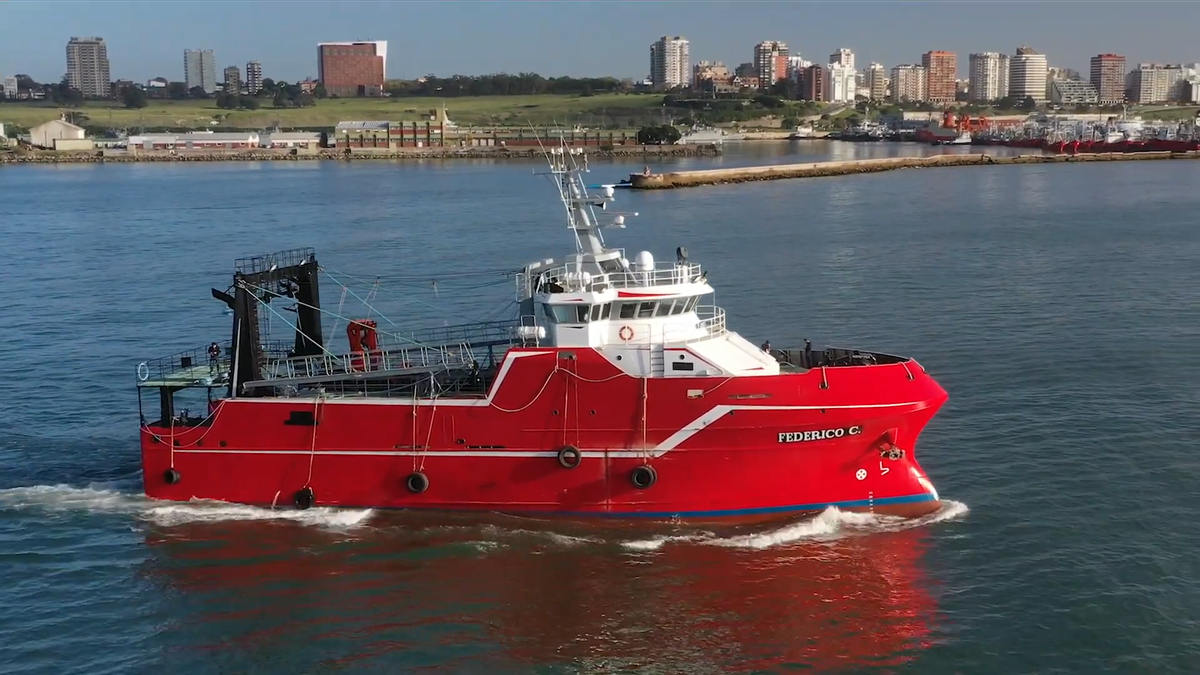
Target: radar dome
{"points": [[644, 262]]}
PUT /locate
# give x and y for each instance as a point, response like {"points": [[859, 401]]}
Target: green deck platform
{"points": [[193, 376]]}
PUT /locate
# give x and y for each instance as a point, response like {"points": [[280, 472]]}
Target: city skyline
{"points": [[140, 44]]}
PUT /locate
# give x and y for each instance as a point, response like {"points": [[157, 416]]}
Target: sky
{"points": [[610, 37]]}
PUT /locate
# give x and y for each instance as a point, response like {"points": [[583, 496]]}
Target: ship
{"points": [[963, 138], [705, 135], [617, 390], [803, 132], [952, 130]]}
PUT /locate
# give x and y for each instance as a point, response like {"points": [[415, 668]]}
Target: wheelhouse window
{"points": [[574, 313], [649, 310]]}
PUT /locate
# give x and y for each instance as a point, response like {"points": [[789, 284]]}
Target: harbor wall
{"points": [[648, 152], [678, 179]]}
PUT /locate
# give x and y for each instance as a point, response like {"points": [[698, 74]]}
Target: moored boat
{"points": [[615, 392]]}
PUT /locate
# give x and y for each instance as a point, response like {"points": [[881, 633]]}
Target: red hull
{"points": [[1154, 145], [722, 448]]}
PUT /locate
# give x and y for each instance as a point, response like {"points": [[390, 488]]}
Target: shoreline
{"points": [[353, 154], [683, 179]]}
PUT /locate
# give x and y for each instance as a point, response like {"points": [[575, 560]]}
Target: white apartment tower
{"points": [[253, 77], [988, 79], [842, 57], [796, 66], [908, 84], [876, 82], [200, 69], [1027, 75], [841, 84], [670, 63], [87, 66]]}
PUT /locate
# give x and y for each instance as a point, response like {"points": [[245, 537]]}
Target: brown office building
{"points": [[352, 68], [1108, 76], [941, 69], [812, 83]]}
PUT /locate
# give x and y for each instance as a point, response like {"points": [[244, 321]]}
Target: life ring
{"points": [[171, 476], [304, 498], [143, 371], [643, 477], [569, 456], [626, 333], [416, 482]]}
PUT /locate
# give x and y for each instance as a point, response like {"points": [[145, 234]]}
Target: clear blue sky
{"points": [[147, 39]]}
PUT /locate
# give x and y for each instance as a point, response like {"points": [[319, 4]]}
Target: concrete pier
{"points": [[641, 152], [678, 179]]}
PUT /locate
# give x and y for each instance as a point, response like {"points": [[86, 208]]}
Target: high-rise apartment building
{"points": [[352, 68], [941, 71], [200, 69], [1027, 75], [876, 82], [841, 84], [908, 83], [842, 57], [253, 77], [988, 79], [670, 63], [796, 66], [87, 66], [233, 80], [1108, 77], [1160, 82], [771, 62], [812, 83]]}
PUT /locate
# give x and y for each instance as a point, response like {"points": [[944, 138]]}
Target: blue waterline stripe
{"points": [[727, 513], [646, 515]]}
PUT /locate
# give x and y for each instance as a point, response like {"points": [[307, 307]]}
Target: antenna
{"points": [[566, 166]]}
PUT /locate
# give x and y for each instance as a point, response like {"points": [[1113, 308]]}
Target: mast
{"points": [[566, 172]]}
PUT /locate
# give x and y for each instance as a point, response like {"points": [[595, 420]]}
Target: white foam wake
{"points": [[102, 499], [830, 524]]}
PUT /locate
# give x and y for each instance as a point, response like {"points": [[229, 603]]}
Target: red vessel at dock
{"points": [[614, 393]]}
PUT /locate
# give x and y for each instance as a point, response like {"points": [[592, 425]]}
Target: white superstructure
{"points": [[645, 316]]}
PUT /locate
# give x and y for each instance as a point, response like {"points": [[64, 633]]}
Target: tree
{"points": [[62, 94], [1028, 103], [789, 123], [133, 97], [768, 101], [249, 102], [177, 90], [268, 87], [786, 88], [197, 92], [27, 83], [319, 91], [658, 135]]}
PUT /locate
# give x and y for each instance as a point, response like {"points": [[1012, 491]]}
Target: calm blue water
{"points": [[1058, 305]]}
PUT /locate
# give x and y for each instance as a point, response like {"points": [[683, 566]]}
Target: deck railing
{"points": [[161, 369], [364, 362], [712, 320], [572, 278]]}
